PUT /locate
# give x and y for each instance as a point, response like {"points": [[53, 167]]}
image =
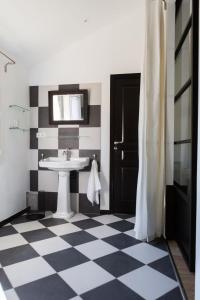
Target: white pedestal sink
{"points": [[63, 167]]}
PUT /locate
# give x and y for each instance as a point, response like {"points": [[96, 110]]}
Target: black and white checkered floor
{"points": [[89, 258]]}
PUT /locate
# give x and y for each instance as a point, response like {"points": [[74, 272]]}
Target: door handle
{"points": [[118, 143]]}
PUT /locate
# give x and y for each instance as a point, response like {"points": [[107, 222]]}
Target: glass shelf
{"points": [[22, 108], [18, 128]]}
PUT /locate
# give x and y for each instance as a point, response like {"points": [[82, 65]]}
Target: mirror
{"points": [[68, 107]]}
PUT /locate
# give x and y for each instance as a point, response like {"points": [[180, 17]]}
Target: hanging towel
{"points": [[94, 185]]}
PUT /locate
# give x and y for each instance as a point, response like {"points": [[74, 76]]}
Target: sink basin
{"points": [[63, 167], [61, 164]]}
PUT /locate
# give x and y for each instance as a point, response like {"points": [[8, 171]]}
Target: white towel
{"points": [[94, 185]]}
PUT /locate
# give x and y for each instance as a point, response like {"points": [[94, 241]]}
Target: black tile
{"points": [[65, 259], [52, 222], [118, 263], [172, 295], [6, 285], [124, 216], [92, 215], [33, 181], [160, 243], [33, 138], [122, 225], [164, 266], [89, 153], [37, 235], [19, 220], [113, 290], [121, 241], [43, 118], [33, 94], [48, 288], [72, 140], [85, 206], [86, 224], [94, 116], [47, 153], [7, 230], [74, 182], [51, 201], [78, 238], [17, 254], [68, 87]]}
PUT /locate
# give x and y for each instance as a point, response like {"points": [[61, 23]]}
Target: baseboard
{"points": [[176, 272], [10, 219], [105, 212]]}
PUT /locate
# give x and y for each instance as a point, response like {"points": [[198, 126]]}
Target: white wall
{"points": [[115, 49], [197, 273], [13, 145]]}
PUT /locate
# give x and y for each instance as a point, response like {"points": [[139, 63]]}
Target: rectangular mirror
{"points": [[68, 107]]}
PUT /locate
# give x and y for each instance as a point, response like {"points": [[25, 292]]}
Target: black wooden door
{"points": [[124, 115]]}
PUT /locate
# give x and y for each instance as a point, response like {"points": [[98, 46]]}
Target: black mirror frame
{"points": [[63, 92]]}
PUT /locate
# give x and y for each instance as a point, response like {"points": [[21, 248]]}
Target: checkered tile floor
{"points": [[88, 258]]}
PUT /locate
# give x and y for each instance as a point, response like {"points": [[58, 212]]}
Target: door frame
{"points": [[113, 77], [193, 24]]}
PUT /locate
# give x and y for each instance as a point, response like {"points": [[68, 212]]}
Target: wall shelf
{"points": [[19, 107], [18, 128]]}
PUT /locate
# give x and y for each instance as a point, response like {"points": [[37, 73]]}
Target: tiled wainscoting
{"points": [[54, 144]]}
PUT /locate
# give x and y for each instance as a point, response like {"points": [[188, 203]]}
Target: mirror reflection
{"points": [[68, 107]]}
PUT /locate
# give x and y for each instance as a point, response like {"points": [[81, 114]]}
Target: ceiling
{"points": [[36, 29]]}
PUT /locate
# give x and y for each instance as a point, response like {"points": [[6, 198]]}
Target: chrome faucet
{"points": [[67, 153]]}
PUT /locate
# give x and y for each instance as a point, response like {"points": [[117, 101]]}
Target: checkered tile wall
{"points": [[54, 144]]}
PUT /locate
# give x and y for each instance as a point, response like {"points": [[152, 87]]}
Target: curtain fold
{"points": [[151, 176]]}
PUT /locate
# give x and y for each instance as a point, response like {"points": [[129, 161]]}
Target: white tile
{"points": [[2, 293], [11, 241], [48, 181], [148, 283], [132, 220], [145, 252], [83, 182], [130, 232], [102, 231], [28, 226], [64, 229], [85, 277], [11, 295], [34, 117], [50, 141], [50, 245], [94, 90], [43, 94], [96, 249], [107, 219], [78, 217], [27, 271], [90, 138], [33, 159]]}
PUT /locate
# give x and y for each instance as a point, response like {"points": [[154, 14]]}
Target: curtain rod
{"points": [[11, 61]]}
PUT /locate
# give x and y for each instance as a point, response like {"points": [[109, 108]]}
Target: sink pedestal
{"points": [[64, 204]]}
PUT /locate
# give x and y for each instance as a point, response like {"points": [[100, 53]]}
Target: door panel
{"points": [[124, 142]]}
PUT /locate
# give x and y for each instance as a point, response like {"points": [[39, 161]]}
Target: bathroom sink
{"points": [[63, 168], [60, 164]]}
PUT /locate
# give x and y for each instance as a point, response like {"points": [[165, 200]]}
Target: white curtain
{"points": [[151, 176]]}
